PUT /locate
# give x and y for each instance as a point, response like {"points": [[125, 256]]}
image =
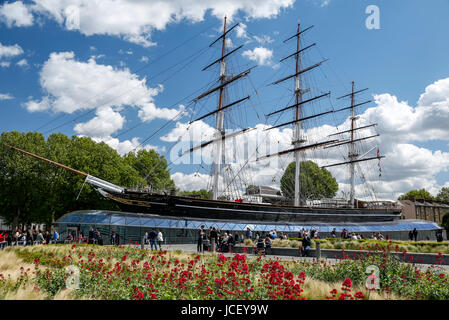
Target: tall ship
{"points": [[241, 204]]}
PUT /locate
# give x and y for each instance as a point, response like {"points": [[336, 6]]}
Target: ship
{"points": [[224, 208]]}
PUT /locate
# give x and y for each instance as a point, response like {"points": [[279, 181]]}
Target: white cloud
{"points": [[10, 51], [71, 85], [5, 96], [406, 166], [136, 20], [106, 122], [5, 64], [241, 31], [126, 146], [190, 182], [22, 63], [16, 14], [263, 39], [144, 59], [325, 3], [260, 54]]}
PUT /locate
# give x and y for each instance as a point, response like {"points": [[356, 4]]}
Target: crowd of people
{"points": [[27, 237], [214, 239]]}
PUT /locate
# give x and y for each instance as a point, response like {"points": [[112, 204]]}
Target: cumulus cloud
{"points": [[10, 51], [22, 63], [71, 85], [16, 14], [260, 55], [190, 182], [136, 20], [6, 96], [406, 166]]}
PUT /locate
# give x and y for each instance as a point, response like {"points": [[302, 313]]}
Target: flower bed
{"points": [[130, 273]]}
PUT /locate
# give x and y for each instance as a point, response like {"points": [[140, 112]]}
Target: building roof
{"points": [[100, 217]]}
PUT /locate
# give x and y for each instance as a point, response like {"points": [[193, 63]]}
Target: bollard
{"points": [[318, 249]]}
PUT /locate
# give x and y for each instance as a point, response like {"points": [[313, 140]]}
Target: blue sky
{"points": [[398, 62]]}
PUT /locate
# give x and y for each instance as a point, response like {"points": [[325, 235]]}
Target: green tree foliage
{"points": [[202, 194], [443, 195], [416, 194], [445, 222], [35, 191], [152, 167], [315, 182]]}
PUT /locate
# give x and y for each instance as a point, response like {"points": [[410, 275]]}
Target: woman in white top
{"points": [[160, 238]]}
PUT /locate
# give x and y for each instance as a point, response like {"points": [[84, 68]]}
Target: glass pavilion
{"points": [[132, 226]]}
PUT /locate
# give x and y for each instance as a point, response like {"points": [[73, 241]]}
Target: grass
{"points": [[366, 244]]}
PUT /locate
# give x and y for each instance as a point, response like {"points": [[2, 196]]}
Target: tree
{"points": [[152, 167], [315, 182], [38, 192], [445, 222], [202, 194], [416, 194], [443, 195]]}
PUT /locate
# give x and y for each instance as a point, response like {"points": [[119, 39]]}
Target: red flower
{"points": [[359, 295], [347, 283]]}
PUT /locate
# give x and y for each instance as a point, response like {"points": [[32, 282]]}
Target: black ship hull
{"points": [[175, 206]]}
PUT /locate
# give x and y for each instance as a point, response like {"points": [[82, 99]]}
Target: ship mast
{"points": [[220, 154], [298, 139], [220, 135], [352, 152], [353, 155]]}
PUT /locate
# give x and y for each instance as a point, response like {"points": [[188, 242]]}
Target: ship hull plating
{"points": [[224, 210]]}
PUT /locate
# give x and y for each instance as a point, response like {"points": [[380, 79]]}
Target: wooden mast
{"points": [[220, 154], [298, 137]]}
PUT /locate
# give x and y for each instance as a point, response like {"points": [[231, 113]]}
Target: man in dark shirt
{"points": [[153, 237], [200, 236], [306, 244], [91, 235]]}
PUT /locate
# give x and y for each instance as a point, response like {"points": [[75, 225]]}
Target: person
{"points": [[160, 238], [99, 237], [236, 237], [91, 235], [200, 235], [39, 237], [81, 237], [224, 243], [213, 239], [306, 244], [115, 238], [410, 235], [55, 236], [47, 237], [415, 234], [249, 234], [2, 240], [267, 243], [257, 236], [146, 238], [260, 245], [153, 239], [231, 242], [334, 233]]}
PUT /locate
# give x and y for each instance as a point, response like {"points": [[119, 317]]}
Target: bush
{"points": [[248, 242]]}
